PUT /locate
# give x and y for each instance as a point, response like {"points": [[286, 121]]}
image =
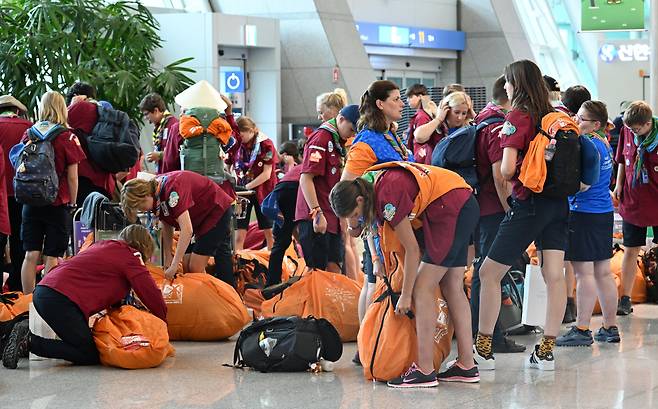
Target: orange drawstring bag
{"points": [[190, 127], [533, 169], [132, 339], [14, 306], [200, 307], [387, 342], [321, 294]]}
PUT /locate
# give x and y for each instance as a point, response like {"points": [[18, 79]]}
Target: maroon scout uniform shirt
{"points": [[322, 159], [12, 130], [639, 203], [395, 192], [517, 132], [102, 276], [423, 151], [488, 152], [184, 190]]}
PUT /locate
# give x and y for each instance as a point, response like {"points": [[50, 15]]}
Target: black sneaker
{"points": [[17, 345], [546, 363], [457, 374], [624, 307], [508, 346], [414, 378], [575, 337], [608, 335]]}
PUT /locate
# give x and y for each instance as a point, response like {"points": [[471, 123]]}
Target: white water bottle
{"points": [[549, 152]]}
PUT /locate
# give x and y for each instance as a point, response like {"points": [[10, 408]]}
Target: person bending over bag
{"points": [[82, 286], [432, 213], [196, 206]]}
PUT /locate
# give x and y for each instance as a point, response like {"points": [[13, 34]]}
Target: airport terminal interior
{"points": [[328, 204]]}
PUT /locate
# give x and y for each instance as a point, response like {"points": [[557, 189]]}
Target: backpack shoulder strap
{"points": [[489, 121]]}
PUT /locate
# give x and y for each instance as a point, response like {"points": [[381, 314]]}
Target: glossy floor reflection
{"points": [[624, 375]]}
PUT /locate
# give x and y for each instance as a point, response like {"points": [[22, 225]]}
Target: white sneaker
{"points": [[543, 364], [484, 364]]}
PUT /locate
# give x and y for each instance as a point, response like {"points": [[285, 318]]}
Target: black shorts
{"points": [[46, 229], [539, 219], [207, 244], [319, 249], [636, 236], [263, 222], [590, 236], [457, 256]]}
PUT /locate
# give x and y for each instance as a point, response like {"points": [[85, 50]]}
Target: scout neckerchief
{"points": [[331, 126], [648, 144], [396, 144], [158, 191], [157, 131]]}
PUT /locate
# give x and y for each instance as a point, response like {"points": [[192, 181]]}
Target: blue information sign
{"points": [[413, 37], [234, 81]]}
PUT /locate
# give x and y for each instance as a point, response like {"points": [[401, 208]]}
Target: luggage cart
{"points": [[108, 223]]}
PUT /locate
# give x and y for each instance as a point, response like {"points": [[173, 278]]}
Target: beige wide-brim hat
{"points": [[201, 95], [8, 100]]}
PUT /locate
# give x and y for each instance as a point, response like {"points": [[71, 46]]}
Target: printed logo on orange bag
{"points": [[133, 342]]}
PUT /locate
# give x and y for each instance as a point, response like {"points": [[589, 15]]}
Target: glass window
{"points": [[397, 80], [411, 81]]}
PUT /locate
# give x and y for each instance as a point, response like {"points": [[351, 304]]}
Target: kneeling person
{"points": [[69, 294]]}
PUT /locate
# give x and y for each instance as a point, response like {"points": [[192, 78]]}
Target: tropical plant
{"points": [[48, 45]]}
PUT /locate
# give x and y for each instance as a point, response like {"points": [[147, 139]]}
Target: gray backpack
{"points": [[36, 182]]}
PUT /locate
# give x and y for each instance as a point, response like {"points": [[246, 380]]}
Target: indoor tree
{"points": [[50, 44]]}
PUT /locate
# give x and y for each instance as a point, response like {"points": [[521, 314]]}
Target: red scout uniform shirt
{"points": [[249, 168], [82, 118], [293, 174], [322, 158], [517, 132], [171, 155], [116, 269], [395, 193], [182, 191], [639, 203], [488, 151], [423, 151], [12, 129], [67, 152], [5, 227]]}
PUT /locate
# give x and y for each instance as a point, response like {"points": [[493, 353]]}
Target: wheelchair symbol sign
{"points": [[234, 81]]}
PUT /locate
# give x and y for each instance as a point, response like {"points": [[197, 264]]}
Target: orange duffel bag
{"points": [[14, 307], [200, 307], [387, 342], [321, 294], [132, 339]]}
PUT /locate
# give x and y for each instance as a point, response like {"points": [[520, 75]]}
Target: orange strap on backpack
{"points": [[533, 169]]}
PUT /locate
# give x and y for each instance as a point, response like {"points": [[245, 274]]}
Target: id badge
{"points": [[645, 176]]}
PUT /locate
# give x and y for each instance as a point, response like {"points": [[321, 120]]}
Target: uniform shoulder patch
{"points": [[173, 199], [508, 128], [389, 212]]}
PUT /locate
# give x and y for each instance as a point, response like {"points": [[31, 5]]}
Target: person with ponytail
{"points": [[196, 206], [531, 217], [329, 104], [590, 238], [430, 213]]}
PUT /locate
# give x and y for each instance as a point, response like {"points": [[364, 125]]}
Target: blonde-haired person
{"points": [[452, 114], [329, 104], [196, 206], [45, 229], [69, 295], [253, 158]]}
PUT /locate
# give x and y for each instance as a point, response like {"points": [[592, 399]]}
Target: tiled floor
{"points": [[603, 376]]}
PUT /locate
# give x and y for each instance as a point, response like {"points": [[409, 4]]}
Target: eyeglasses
{"points": [[581, 119]]}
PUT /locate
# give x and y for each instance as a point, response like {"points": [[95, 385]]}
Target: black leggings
{"points": [[69, 323], [282, 234]]}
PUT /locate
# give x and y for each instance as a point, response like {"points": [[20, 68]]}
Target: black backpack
{"points": [[113, 144], [36, 182], [287, 344], [563, 172], [456, 152]]}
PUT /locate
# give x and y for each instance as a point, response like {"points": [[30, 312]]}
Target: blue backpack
{"points": [[456, 152], [36, 182]]}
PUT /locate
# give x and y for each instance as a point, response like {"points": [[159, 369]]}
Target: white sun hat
{"points": [[201, 95]]}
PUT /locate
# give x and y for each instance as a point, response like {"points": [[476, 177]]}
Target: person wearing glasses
{"points": [[636, 189], [590, 238]]}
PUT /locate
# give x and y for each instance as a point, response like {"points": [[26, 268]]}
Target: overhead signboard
{"points": [[410, 37], [612, 15], [630, 52]]}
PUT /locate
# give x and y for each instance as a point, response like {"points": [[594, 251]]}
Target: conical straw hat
{"points": [[201, 95]]}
